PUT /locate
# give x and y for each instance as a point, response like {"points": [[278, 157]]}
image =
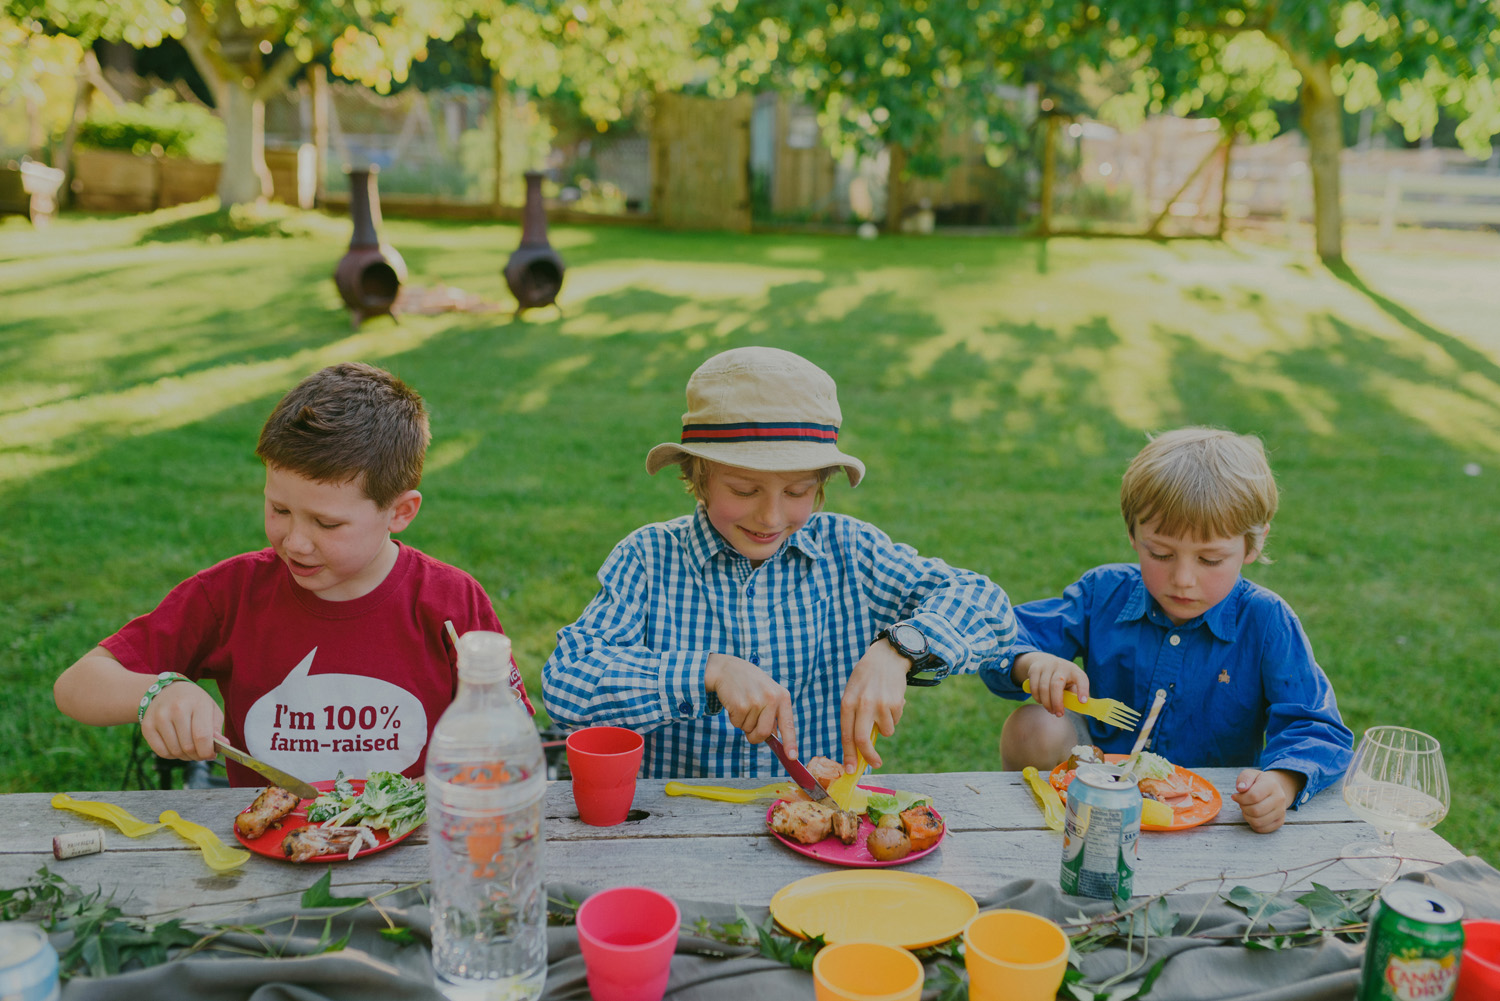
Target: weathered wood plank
{"points": [[689, 847]]}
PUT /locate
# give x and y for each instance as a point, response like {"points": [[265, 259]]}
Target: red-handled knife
{"points": [[797, 770]]}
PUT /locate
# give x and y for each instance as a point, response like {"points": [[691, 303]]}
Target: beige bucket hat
{"points": [[760, 408]]}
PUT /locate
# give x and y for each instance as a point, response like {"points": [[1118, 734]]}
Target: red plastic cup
{"points": [[1479, 971], [628, 935], [604, 761]]}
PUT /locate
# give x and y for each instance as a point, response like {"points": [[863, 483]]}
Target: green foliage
{"points": [[159, 126]]}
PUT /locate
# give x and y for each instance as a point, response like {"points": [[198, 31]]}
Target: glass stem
{"points": [[1388, 842]]}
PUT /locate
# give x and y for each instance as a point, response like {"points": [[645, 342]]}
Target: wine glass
{"points": [[1397, 782]]}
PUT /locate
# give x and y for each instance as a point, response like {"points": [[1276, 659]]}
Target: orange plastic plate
{"points": [[1200, 812]]}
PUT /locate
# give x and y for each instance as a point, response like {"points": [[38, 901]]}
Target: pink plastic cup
{"points": [[604, 761], [628, 935], [1479, 971]]}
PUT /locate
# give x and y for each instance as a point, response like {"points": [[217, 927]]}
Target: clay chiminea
{"points": [[371, 273], [534, 271]]}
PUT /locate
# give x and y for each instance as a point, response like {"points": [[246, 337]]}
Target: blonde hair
{"points": [[1202, 482], [696, 470]]}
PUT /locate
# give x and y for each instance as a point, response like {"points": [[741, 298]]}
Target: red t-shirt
{"points": [[314, 686]]}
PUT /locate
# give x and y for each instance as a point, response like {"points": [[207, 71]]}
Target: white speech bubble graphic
{"points": [[314, 725]]}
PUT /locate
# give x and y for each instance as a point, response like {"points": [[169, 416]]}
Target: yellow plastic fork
{"points": [[1112, 711]]}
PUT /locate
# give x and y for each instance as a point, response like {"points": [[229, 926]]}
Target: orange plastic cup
{"points": [[1014, 956], [866, 971], [604, 761]]}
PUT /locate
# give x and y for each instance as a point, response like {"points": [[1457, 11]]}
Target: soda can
{"points": [[76, 843], [28, 963], [1414, 946], [1099, 832]]}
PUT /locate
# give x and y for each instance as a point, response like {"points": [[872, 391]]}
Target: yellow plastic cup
{"points": [[1014, 956], [866, 971]]}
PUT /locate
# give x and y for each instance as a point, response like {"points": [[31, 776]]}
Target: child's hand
{"points": [[1265, 796], [181, 722], [756, 703], [874, 697], [1050, 676]]}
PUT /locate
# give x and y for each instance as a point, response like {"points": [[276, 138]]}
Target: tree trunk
{"points": [[1322, 124], [1049, 176], [244, 177], [895, 189]]}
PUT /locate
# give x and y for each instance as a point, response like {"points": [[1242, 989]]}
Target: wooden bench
{"points": [[29, 189]]}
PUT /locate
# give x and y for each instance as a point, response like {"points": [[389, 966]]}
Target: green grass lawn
{"points": [[996, 389]]}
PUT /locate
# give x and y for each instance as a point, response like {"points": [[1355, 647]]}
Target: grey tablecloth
{"points": [[373, 968]]}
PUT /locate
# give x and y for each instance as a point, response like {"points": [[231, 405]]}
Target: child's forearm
{"points": [[100, 691]]}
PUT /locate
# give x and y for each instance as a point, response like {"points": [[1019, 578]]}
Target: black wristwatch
{"points": [[910, 643]]}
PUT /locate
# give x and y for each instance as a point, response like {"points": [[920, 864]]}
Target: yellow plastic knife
{"points": [[119, 816], [727, 794], [1046, 797]]}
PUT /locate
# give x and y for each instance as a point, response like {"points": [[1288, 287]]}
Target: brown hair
{"points": [[1202, 482], [695, 472], [350, 422]]}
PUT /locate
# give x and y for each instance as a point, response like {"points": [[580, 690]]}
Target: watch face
{"points": [[909, 640]]}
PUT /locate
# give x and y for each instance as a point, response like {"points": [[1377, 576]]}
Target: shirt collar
{"points": [[704, 541], [1222, 620]]}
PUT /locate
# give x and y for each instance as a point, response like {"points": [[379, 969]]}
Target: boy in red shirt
{"points": [[330, 647]]}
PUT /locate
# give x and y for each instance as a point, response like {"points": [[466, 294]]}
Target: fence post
{"points": [[1391, 203], [319, 77], [497, 110]]}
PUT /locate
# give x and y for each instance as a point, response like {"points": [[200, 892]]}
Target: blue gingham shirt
{"points": [[673, 593], [1242, 683]]}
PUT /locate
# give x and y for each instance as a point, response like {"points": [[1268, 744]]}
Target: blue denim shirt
{"points": [[1242, 685]]}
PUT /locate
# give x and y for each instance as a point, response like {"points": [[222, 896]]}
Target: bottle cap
{"points": [[483, 656]]}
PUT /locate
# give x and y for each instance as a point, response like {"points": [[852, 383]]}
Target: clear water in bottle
{"points": [[486, 777]]}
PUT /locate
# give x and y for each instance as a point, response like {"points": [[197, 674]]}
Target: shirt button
{"points": [[755, 659], [750, 590], [1174, 639], [685, 707]]}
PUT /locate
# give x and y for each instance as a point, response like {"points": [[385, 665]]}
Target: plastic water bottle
{"points": [[486, 777]]}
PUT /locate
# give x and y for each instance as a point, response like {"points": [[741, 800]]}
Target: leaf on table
{"points": [[1331, 909], [320, 894], [1155, 920], [401, 936], [1257, 903]]}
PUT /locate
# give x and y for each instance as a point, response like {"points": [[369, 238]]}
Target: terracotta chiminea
{"points": [[371, 273], [535, 271]]}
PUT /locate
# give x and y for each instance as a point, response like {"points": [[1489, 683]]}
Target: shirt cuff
{"points": [[683, 694]]}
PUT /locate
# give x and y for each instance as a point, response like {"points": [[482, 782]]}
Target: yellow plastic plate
{"points": [[874, 905]]}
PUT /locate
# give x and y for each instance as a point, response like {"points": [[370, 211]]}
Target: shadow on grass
{"points": [[1465, 356], [223, 226]]}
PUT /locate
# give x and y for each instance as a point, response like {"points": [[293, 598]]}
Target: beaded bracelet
{"points": [[163, 679]]}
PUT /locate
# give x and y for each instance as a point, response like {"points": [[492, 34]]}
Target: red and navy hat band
{"points": [[756, 431]]}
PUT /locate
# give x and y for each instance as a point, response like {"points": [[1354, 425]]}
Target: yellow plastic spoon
{"points": [[845, 790], [727, 794], [120, 817], [219, 856]]}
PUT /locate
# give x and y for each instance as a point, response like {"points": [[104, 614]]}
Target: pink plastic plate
{"points": [[856, 856]]}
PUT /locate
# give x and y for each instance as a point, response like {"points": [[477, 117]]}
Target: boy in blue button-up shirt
{"points": [[1238, 670]]}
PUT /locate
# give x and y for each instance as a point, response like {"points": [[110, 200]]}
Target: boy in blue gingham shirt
{"points": [[758, 613]]}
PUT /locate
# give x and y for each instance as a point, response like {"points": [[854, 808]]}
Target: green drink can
{"points": [[1414, 946], [1100, 829]]}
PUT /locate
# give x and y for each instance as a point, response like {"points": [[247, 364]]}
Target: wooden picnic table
{"points": [[691, 848]]}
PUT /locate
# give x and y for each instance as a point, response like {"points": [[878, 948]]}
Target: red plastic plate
{"points": [[857, 855], [269, 843]]}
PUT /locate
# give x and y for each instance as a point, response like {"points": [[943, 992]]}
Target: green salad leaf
{"points": [[389, 801], [1152, 766], [883, 803]]}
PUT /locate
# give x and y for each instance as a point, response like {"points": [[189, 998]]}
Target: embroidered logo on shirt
{"points": [[1224, 677]]}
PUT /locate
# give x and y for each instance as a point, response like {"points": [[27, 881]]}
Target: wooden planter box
{"points": [[112, 181]]}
